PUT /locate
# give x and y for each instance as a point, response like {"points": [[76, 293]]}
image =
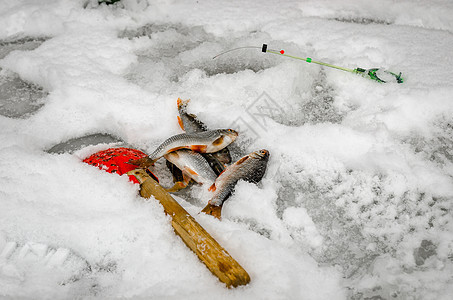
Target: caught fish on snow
{"points": [[193, 166], [250, 168], [190, 123], [204, 142]]}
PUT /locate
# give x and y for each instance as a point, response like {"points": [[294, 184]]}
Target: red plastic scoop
{"points": [[114, 160]]}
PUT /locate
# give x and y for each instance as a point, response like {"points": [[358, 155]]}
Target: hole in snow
{"points": [[426, 250], [314, 106], [249, 59], [438, 147], [27, 43], [18, 98], [175, 50], [78, 143], [320, 107], [168, 40]]}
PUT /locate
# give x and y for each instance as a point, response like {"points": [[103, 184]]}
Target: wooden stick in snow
{"points": [[208, 250]]}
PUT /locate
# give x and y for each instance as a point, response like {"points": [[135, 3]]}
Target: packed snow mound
{"points": [[357, 197]]}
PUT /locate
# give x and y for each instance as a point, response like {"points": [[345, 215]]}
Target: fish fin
{"points": [[173, 154], [144, 162], [212, 188], [181, 124], [186, 178], [213, 210], [218, 141], [189, 171], [198, 148], [242, 160], [222, 172], [179, 185], [174, 149]]}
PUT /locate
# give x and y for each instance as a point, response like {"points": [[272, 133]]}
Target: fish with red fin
{"points": [[203, 142], [250, 168]]}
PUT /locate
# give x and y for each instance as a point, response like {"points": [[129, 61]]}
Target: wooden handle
{"points": [[208, 250]]}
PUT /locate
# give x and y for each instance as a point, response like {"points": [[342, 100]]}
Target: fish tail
{"points": [[182, 104], [143, 163], [213, 210]]}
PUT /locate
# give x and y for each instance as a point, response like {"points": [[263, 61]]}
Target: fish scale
{"points": [[193, 164], [191, 140], [250, 168], [191, 124], [205, 142]]}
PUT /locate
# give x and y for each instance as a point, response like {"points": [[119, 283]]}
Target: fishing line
{"points": [[238, 48], [377, 74]]}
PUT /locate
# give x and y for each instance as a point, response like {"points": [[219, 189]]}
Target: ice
{"points": [[175, 50], [356, 201], [427, 249], [319, 107], [19, 98], [75, 144], [22, 44]]}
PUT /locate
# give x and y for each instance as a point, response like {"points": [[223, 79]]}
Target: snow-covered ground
{"points": [[357, 199]]}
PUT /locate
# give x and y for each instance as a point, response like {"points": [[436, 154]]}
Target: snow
{"points": [[357, 198]]}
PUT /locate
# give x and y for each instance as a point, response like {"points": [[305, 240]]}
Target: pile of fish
{"points": [[203, 156]]}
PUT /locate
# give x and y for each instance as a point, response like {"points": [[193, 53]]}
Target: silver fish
{"points": [[204, 142], [193, 166], [250, 168], [190, 123]]}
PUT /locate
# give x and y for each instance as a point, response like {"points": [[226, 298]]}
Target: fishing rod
{"points": [[377, 74]]}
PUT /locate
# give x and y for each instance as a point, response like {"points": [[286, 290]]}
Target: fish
{"points": [[193, 166], [250, 168], [190, 123], [204, 142]]}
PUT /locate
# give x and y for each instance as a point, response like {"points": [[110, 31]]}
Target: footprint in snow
{"points": [[22, 262]]}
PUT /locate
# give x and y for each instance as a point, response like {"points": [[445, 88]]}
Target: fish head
{"points": [[224, 137], [182, 104], [229, 135], [262, 154], [257, 164]]}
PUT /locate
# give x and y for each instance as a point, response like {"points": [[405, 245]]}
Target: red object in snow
{"points": [[114, 160], [282, 51]]}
